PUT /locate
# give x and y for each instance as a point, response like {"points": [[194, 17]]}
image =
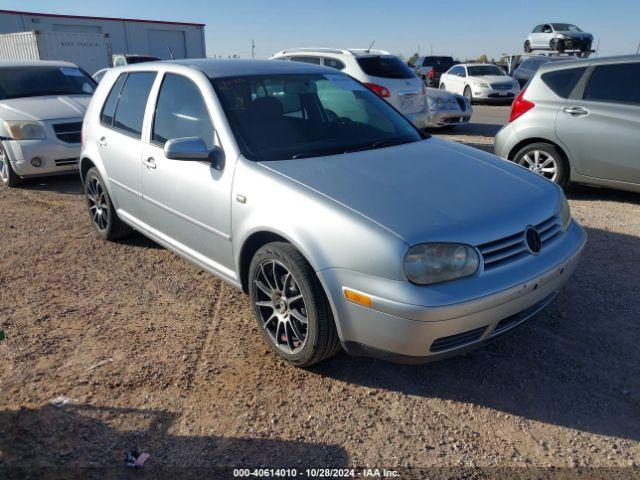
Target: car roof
{"points": [[477, 65], [236, 67], [588, 62], [35, 63], [337, 52]]}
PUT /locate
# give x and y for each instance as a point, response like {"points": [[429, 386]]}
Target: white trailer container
{"points": [[90, 51]]}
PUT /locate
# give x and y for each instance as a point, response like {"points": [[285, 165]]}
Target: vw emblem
{"points": [[533, 240]]}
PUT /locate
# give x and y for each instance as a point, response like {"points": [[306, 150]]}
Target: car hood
{"points": [[580, 35], [44, 108], [493, 79], [432, 190]]}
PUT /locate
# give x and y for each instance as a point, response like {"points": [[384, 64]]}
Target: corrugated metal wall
{"points": [[19, 46]]}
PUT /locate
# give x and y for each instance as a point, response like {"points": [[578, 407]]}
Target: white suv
{"points": [[385, 74]]}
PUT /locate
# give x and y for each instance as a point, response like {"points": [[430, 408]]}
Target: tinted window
{"points": [[312, 60], [565, 27], [538, 29], [615, 83], [562, 82], [439, 64], [333, 63], [20, 82], [479, 70], [276, 117], [385, 67], [112, 100], [132, 102], [181, 112]]}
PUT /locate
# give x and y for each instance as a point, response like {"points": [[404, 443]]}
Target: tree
{"points": [[483, 59], [412, 59]]}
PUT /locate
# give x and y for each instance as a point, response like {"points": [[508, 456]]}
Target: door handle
{"points": [[149, 162], [576, 111], [102, 142]]}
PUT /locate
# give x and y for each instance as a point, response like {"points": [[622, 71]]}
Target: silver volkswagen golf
{"points": [[347, 227]]}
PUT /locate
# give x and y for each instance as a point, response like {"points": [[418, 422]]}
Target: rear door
{"points": [[405, 88], [119, 140], [187, 202], [601, 127]]}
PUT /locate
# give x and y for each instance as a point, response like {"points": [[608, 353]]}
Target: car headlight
{"points": [[430, 263], [482, 84], [20, 130], [565, 214]]}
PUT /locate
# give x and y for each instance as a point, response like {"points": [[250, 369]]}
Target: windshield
{"points": [[140, 59], [440, 64], [565, 27], [385, 67], [20, 82], [277, 117], [480, 70]]}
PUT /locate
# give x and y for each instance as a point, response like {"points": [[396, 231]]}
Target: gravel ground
{"points": [[153, 354]]}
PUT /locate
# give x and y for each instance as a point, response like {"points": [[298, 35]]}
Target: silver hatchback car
{"points": [[300, 186], [578, 121]]}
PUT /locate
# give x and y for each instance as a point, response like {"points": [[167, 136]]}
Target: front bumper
{"points": [[56, 157], [416, 331], [428, 118], [494, 95]]}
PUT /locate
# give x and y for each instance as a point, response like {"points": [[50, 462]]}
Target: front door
{"points": [[188, 202]]}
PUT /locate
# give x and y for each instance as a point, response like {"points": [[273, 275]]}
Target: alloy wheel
{"points": [[97, 202], [281, 306], [542, 163], [4, 169]]}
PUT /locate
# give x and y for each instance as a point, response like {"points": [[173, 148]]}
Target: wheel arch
{"points": [[529, 141], [85, 164]]}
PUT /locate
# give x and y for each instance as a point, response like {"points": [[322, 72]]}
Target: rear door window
{"points": [[562, 82], [385, 67], [181, 112], [129, 114], [615, 83]]}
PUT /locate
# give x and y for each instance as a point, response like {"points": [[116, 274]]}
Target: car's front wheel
{"points": [[544, 159], [527, 47], [442, 86], [104, 217], [468, 94], [290, 306], [7, 175]]}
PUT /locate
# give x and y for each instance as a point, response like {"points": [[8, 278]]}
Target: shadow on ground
{"points": [[81, 441], [575, 365], [66, 184]]}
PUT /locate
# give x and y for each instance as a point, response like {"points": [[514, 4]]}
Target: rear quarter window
{"points": [[109, 108], [562, 82], [385, 67], [615, 83]]}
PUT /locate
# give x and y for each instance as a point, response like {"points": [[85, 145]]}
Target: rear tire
{"points": [[442, 86], [290, 306], [468, 94], [527, 47], [102, 213], [546, 160], [7, 175]]}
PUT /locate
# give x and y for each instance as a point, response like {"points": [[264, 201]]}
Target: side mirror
{"points": [[194, 149]]}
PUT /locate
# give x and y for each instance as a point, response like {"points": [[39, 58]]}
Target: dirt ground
{"points": [[153, 354]]}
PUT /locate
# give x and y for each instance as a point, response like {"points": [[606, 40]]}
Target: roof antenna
{"points": [[171, 53], [369, 49]]}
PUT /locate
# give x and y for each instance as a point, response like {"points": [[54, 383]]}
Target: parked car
{"points": [[480, 82], [429, 69], [529, 66], [41, 109], [343, 223], [579, 121], [446, 109], [381, 72], [99, 74], [558, 37]]}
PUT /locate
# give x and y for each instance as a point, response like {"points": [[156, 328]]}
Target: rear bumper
{"points": [[55, 157], [420, 332]]}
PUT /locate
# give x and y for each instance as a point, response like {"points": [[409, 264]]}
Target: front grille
{"points": [[497, 95], [461, 103], [66, 161], [68, 132], [501, 86], [514, 247], [457, 340]]}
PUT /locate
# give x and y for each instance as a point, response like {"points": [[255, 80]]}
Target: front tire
{"points": [[468, 94], [527, 47], [102, 213], [7, 175], [442, 86], [290, 306], [546, 160]]}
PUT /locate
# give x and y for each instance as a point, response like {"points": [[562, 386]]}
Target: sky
{"points": [[464, 29]]}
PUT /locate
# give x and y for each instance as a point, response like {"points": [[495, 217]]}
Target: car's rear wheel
{"points": [[7, 175], [443, 86], [546, 160], [556, 45], [527, 47], [468, 94], [290, 306], [104, 217]]}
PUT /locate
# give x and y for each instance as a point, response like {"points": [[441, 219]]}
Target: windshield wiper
{"points": [[377, 144]]}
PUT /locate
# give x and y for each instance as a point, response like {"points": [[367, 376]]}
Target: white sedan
{"points": [[42, 105], [480, 82]]}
